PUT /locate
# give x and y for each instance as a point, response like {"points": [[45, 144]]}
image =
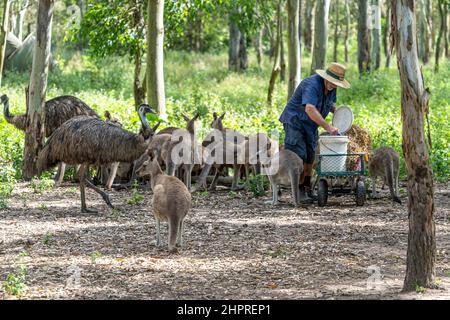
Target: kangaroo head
{"points": [[217, 121]]}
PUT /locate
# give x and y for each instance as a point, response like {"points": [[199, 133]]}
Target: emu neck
{"points": [[20, 122]]}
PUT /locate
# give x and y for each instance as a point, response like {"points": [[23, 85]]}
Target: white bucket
{"points": [[333, 145]]}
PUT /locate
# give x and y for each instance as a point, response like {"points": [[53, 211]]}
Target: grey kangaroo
{"points": [[384, 162]]}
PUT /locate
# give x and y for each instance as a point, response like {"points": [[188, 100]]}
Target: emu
{"points": [[57, 111], [88, 141]]}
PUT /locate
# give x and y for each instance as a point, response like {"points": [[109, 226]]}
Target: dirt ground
{"points": [[236, 247]]}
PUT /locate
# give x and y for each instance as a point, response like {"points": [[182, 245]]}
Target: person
{"points": [[305, 111]]}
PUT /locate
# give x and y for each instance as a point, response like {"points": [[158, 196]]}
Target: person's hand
{"points": [[333, 109], [333, 130]]}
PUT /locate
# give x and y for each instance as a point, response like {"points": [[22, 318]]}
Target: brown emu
{"points": [[57, 111], [90, 141]]}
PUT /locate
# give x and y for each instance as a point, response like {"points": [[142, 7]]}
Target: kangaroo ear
{"points": [[215, 115], [156, 127], [185, 117], [223, 115], [196, 116], [107, 115]]}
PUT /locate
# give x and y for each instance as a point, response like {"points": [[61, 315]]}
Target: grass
{"points": [[201, 82], [14, 283]]}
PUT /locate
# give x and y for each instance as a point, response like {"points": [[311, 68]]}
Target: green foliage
{"points": [[136, 197], [203, 194], [94, 256], [7, 181], [108, 29], [43, 207], [41, 185], [47, 238], [281, 251], [420, 289], [15, 281], [257, 185]]}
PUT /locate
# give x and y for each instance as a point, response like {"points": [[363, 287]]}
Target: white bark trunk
{"points": [[320, 35], [35, 131], [155, 56], [3, 34], [421, 253], [293, 46], [376, 34]]}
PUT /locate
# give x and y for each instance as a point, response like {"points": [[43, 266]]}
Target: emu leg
{"points": [[82, 177], [60, 174], [104, 195], [112, 175]]}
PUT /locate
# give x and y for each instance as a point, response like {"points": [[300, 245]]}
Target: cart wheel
{"points": [[360, 193], [322, 193]]}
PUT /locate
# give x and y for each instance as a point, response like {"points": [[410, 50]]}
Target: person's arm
{"points": [[315, 116]]}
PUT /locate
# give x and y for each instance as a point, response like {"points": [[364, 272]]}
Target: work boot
{"points": [[304, 198]]}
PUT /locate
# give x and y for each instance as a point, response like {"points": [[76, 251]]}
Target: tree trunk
{"points": [[446, 6], [138, 86], [386, 36], [363, 38], [421, 252], [320, 35], [243, 60], [198, 33], [376, 34], [155, 56], [308, 31], [3, 34], [282, 55], [259, 47], [276, 60], [233, 47], [422, 41], [21, 18], [441, 4], [336, 31], [347, 29], [293, 46], [35, 131]]}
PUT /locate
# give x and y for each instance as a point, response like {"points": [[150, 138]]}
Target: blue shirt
{"points": [[309, 91]]}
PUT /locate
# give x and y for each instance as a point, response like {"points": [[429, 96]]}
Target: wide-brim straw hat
{"points": [[335, 73]]}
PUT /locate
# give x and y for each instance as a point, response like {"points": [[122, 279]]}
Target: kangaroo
{"points": [[233, 145], [290, 166], [171, 202], [385, 162], [187, 143]]}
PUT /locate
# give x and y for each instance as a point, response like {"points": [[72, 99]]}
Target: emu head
{"points": [[190, 127], [217, 122], [146, 131]]}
